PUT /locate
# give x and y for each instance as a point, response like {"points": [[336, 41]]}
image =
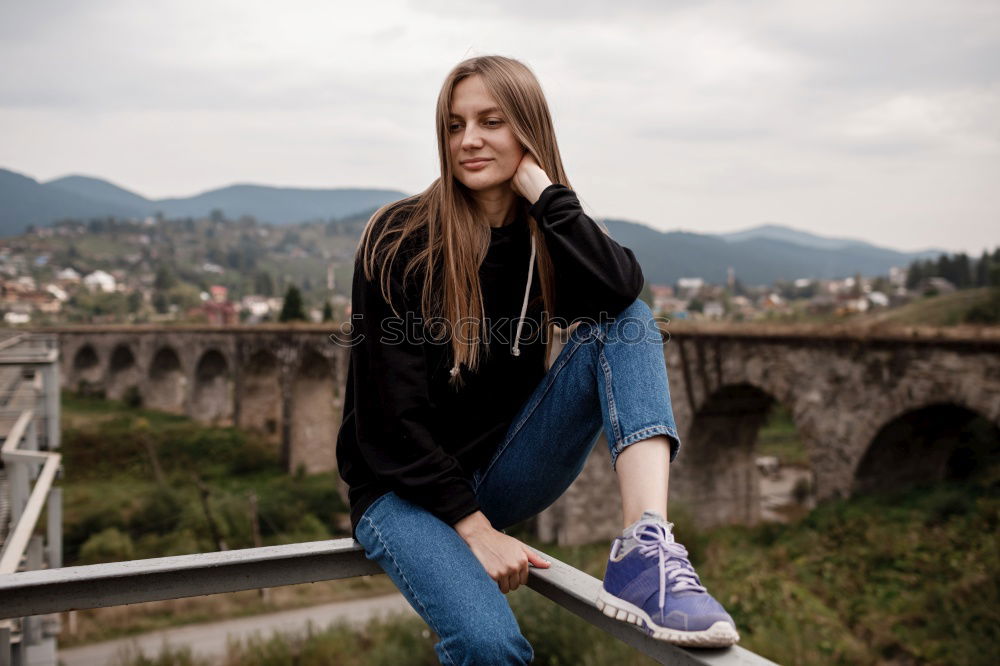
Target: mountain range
{"points": [[26, 201], [758, 255]]}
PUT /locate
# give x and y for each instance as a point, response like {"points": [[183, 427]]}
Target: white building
{"points": [[57, 292], [877, 298], [68, 275], [687, 286], [19, 313], [209, 267], [690, 283], [26, 282], [713, 310], [257, 306], [100, 280]]}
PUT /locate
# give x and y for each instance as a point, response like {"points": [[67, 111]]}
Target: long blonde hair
{"points": [[457, 234]]}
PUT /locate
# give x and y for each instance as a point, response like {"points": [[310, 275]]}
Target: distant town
{"points": [[217, 271]]}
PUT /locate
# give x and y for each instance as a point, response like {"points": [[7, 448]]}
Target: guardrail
{"points": [[30, 374], [27, 507], [30, 593]]}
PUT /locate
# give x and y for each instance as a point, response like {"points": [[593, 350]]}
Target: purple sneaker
{"points": [[653, 585]]}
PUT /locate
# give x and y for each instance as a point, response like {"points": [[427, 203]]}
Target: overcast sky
{"points": [[870, 119]]}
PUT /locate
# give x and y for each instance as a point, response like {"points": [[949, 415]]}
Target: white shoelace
{"points": [[654, 539]]}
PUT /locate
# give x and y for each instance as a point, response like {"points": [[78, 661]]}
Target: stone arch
{"points": [[927, 444], [212, 398], [719, 481], [86, 368], [167, 383], [260, 395], [313, 415], [123, 371]]}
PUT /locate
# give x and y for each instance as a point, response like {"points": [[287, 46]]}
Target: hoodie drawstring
{"points": [[524, 304], [524, 307]]}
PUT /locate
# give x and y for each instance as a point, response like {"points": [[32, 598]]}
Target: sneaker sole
{"points": [[720, 634]]}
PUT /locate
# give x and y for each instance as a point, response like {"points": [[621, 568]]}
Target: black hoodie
{"points": [[405, 428]]}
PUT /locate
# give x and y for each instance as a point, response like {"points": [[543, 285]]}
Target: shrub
{"points": [[109, 545]]}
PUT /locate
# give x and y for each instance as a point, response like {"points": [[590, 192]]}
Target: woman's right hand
{"points": [[505, 558]]}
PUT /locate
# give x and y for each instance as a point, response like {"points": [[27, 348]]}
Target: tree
{"points": [[135, 302], [962, 270], [943, 268], [994, 280], [987, 311], [185, 296], [263, 284], [165, 279], [882, 284], [160, 302], [921, 269], [327, 311], [292, 307], [983, 270]]}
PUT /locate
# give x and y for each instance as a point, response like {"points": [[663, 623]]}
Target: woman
{"points": [[464, 416]]}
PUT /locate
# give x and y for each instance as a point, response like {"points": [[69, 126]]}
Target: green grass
{"points": [[941, 310], [778, 437], [116, 508], [907, 577]]}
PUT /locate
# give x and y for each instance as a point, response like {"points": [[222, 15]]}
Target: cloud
{"points": [[877, 119]]}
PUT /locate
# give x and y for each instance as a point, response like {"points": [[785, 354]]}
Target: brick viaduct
{"points": [[873, 409]]}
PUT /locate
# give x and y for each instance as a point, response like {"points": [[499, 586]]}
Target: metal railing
{"points": [[30, 593], [29, 416]]}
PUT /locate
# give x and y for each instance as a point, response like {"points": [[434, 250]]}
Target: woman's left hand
{"points": [[529, 179]]}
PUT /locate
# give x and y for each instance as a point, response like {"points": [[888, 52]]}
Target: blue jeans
{"points": [[611, 374]]}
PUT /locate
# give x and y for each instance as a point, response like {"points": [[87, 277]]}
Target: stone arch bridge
{"points": [[873, 409], [285, 382]]}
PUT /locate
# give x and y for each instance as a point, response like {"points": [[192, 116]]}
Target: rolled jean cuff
{"points": [[646, 433]]}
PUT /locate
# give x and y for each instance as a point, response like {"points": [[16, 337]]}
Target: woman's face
{"points": [[484, 151]]}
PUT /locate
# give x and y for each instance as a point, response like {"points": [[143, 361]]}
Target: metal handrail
{"points": [[31, 474], [27, 517], [113, 584], [11, 341]]}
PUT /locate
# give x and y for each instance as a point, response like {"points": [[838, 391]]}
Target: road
{"points": [[209, 640]]}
